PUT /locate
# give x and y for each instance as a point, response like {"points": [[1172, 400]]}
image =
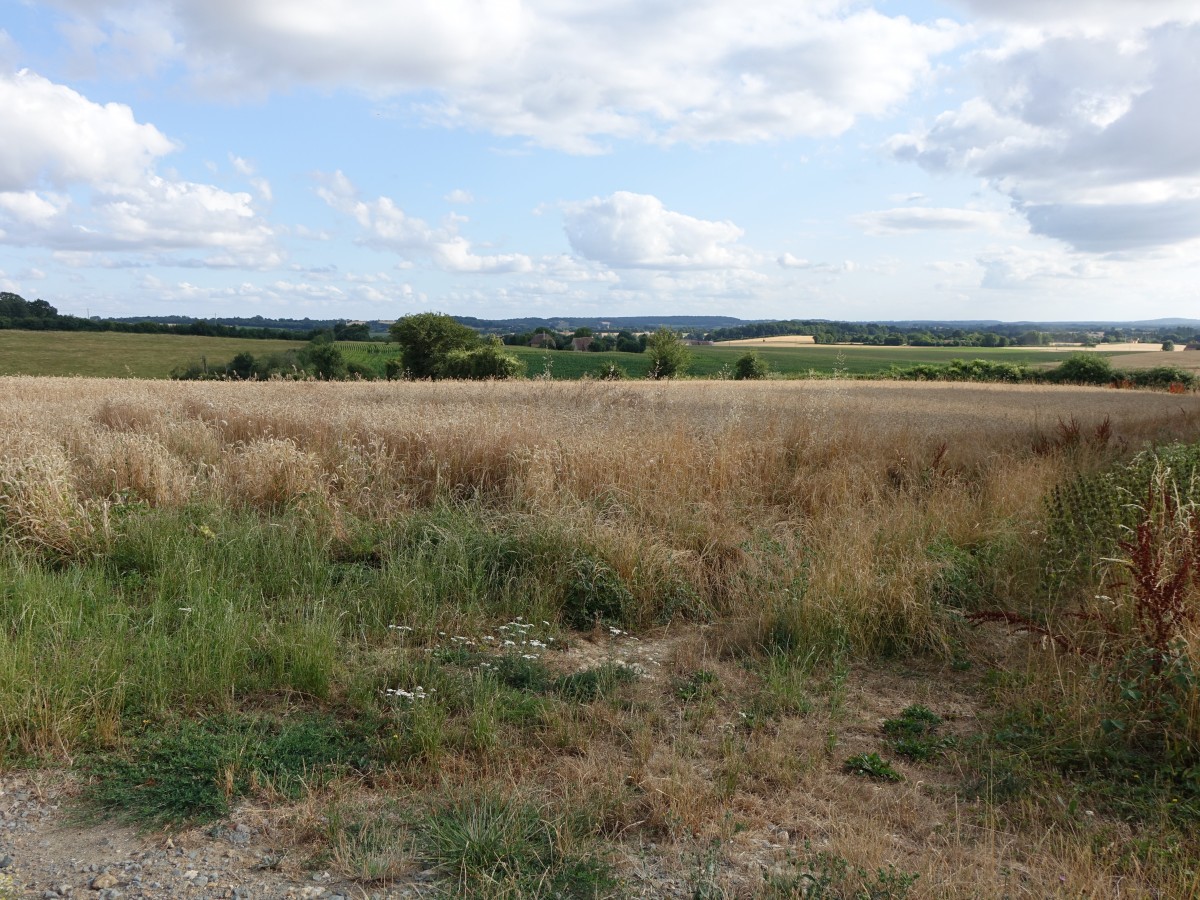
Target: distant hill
{"points": [[602, 323]]}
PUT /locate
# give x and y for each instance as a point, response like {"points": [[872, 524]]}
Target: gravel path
{"points": [[48, 855]]}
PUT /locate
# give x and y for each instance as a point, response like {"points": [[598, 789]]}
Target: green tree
{"points": [[749, 367], [1168, 345], [323, 360], [669, 356], [241, 366], [1085, 368], [426, 339], [344, 331]]}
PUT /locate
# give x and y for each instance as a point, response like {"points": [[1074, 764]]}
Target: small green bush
{"points": [[596, 594], [750, 367]]}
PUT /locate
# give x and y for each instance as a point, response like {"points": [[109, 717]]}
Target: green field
{"points": [[116, 355], [713, 361], [109, 354]]}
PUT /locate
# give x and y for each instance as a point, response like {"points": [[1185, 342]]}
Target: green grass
{"points": [[117, 355], [190, 771], [493, 845], [715, 361]]}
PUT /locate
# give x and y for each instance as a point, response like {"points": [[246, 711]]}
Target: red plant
{"points": [[1164, 567]]}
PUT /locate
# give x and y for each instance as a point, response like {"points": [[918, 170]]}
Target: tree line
{"points": [[947, 334], [37, 315]]}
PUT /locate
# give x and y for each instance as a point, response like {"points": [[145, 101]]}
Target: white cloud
{"points": [[1086, 15], [926, 218], [790, 261], [387, 227], [459, 196], [635, 231], [564, 74], [79, 175], [242, 166], [1016, 267], [56, 136], [1090, 136]]}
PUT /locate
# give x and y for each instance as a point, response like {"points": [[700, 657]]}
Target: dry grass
{"points": [[779, 340], [802, 517], [1149, 359]]}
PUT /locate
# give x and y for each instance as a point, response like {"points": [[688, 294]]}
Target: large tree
{"points": [[668, 354], [426, 339]]}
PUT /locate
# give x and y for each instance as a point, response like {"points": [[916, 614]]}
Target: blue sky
{"points": [[1006, 159]]}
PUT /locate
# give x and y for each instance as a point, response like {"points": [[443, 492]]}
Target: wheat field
{"points": [[773, 559]]}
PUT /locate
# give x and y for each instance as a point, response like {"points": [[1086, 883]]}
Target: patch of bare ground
{"points": [[694, 799]]}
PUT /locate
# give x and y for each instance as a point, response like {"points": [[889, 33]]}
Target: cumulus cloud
{"points": [[387, 227], [1090, 136], [568, 75], [77, 175], [56, 136], [635, 231]]}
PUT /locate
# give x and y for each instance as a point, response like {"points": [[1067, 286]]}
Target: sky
{"points": [[1019, 160]]}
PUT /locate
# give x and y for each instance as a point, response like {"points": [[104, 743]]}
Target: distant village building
{"points": [[541, 339], [694, 343], [581, 343]]}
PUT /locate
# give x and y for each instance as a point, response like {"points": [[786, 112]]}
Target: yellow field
{"points": [[783, 552], [781, 340], [1184, 359]]}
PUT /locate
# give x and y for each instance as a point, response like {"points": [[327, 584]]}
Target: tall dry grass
{"points": [[830, 490]]}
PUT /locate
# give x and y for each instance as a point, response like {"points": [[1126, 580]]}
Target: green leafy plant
{"points": [[871, 765], [913, 734]]}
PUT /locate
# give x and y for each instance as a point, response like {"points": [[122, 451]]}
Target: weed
{"points": [[596, 594], [827, 876], [912, 734], [700, 685], [871, 765], [367, 844], [588, 685], [784, 691], [492, 845]]}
